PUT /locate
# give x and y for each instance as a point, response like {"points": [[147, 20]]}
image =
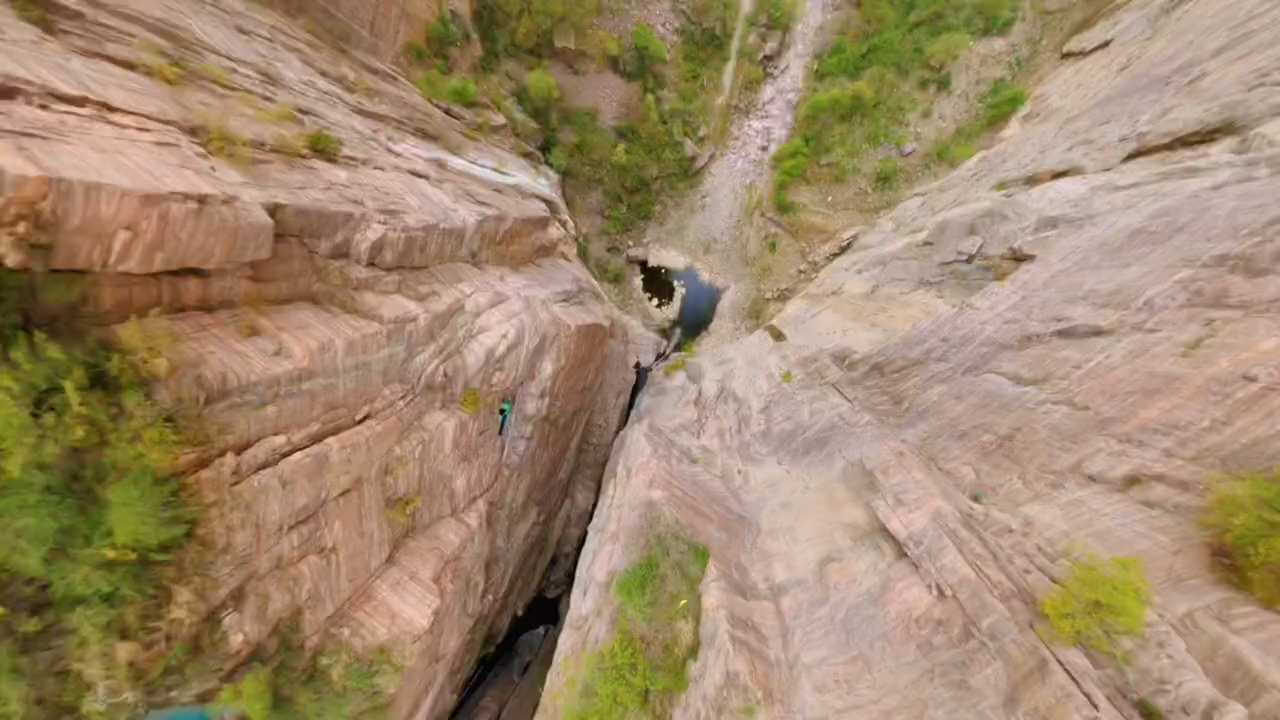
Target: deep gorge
{"points": [[689, 359]]}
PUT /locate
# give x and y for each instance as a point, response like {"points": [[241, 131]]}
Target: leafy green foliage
{"points": [[167, 71], [14, 693], [648, 54], [87, 509], [946, 49], [1101, 602], [222, 142], [1148, 710], [643, 667], [1244, 517], [999, 103], [888, 173], [444, 34], [775, 14], [633, 166], [215, 74], [513, 27], [34, 12], [324, 145], [461, 91], [862, 94], [541, 95], [455, 89], [279, 113], [331, 685], [253, 695]]}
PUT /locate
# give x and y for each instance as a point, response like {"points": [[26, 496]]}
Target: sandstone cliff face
{"points": [[344, 330], [1053, 350]]}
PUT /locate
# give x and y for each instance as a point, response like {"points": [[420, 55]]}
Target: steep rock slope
{"points": [[1052, 351], [342, 330]]}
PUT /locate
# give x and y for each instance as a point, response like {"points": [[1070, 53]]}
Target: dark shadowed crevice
{"points": [[507, 682]]}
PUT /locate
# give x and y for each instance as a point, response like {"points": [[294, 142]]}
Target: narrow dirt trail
{"points": [[705, 227]]}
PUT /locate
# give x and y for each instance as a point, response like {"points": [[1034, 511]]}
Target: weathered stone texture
{"points": [[1053, 350]]}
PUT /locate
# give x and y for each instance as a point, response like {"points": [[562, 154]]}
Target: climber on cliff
{"points": [[504, 415]]}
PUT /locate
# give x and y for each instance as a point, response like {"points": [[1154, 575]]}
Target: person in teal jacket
{"points": [[504, 414]]}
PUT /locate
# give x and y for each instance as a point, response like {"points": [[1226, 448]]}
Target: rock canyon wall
{"points": [[341, 283], [1051, 352]]}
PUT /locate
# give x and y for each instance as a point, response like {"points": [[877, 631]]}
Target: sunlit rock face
{"points": [[340, 323], [1052, 351]]}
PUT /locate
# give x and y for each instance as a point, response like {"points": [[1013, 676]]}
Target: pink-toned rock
{"points": [[322, 321], [888, 488]]}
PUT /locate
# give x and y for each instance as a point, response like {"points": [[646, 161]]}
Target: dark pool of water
{"points": [[697, 309]]}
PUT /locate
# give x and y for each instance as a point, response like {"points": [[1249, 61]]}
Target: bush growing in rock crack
{"points": [[1100, 603], [643, 666], [1244, 518]]}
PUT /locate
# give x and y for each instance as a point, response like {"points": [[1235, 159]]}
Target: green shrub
{"points": [[169, 72], [89, 513], [444, 34], [34, 12], [888, 172], [648, 53], [511, 27], [946, 49], [253, 695], [417, 52], [675, 365], [278, 113], [1244, 518], [288, 144], [222, 142], [1100, 603], [643, 667], [331, 684], [324, 145], [954, 151], [541, 94], [1001, 102], [215, 74], [15, 696], [461, 91], [1148, 710], [455, 89], [994, 16], [779, 14]]}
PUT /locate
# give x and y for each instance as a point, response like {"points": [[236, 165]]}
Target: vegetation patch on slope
{"points": [[637, 164], [332, 685], [90, 513], [1244, 518], [867, 84], [1099, 604], [643, 667]]}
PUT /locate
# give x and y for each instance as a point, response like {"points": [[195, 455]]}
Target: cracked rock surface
{"points": [[1053, 350]]}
